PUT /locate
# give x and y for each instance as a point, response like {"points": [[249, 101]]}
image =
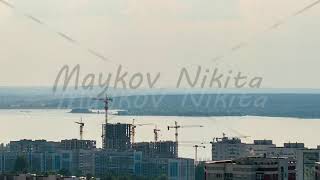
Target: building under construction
{"points": [[117, 136], [161, 149]]}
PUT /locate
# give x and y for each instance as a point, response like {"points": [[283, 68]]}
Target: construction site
{"points": [[120, 153], [157, 157], [121, 137]]}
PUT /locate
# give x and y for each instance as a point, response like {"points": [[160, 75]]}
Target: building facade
{"points": [[161, 149], [172, 168], [259, 147], [117, 137], [251, 168], [289, 150], [306, 163], [81, 157], [226, 148], [120, 163]]}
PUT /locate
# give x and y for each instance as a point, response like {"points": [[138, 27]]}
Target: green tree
{"points": [[78, 173], [125, 178], [64, 172], [89, 176], [112, 176]]}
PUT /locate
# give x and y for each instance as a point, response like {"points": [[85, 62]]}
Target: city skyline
{"points": [[159, 90]]}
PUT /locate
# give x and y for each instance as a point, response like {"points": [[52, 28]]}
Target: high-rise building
{"points": [[317, 171], [125, 162], [306, 162], [26, 145], [289, 150], [251, 168], [226, 148], [76, 156], [161, 149], [259, 147], [172, 168], [71, 144], [81, 157], [118, 137]]}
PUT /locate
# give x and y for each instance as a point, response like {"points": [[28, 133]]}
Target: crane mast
{"points": [[196, 152], [81, 128], [156, 133], [176, 127], [106, 101], [133, 129]]}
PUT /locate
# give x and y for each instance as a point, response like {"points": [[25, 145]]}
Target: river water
{"points": [[59, 124]]}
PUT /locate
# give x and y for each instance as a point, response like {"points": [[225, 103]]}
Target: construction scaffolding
{"points": [[161, 149], [118, 136]]}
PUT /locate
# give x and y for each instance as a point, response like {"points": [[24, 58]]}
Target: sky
{"points": [[161, 36]]}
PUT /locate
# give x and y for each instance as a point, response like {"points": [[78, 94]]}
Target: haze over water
{"points": [[59, 124]]}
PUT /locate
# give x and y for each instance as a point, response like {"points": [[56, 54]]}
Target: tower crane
{"points": [[106, 101], [196, 152], [176, 127], [133, 129], [81, 128], [156, 133], [195, 146]]}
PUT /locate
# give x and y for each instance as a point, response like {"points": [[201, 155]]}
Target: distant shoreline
{"points": [[192, 105], [165, 115]]}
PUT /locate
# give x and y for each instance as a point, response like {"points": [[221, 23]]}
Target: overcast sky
{"points": [[161, 36]]}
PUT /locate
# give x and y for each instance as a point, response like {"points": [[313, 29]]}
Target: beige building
{"points": [[251, 168], [289, 150], [260, 147], [226, 148]]}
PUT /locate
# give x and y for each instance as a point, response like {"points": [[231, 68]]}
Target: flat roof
{"points": [[219, 162]]}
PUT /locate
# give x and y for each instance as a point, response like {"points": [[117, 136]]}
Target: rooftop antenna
{"points": [[223, 135]]}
